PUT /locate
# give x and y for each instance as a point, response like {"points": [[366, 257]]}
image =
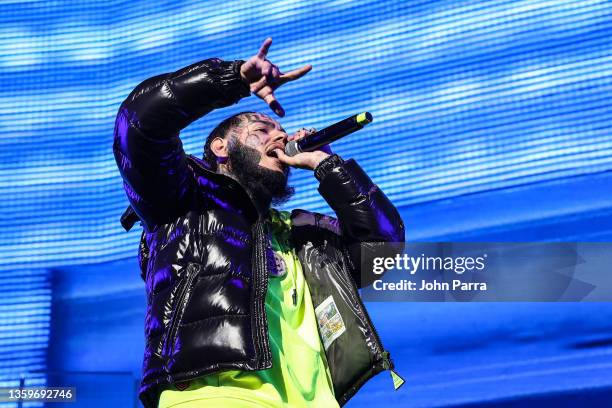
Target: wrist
{"points": [[239, 71], [326, 165], [318, 159], [242, 76], [237, 80]]}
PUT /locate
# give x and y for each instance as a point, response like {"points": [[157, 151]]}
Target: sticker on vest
{"points": [[330, 322], [280, 268]]}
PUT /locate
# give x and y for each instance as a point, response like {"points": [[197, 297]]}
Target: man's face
{"points": [[264, 134], [253, 163]]}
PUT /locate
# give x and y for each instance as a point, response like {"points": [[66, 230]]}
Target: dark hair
{"points": [[223, 129]]}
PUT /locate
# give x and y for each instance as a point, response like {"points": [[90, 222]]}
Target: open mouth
{"points": [[272, 151]]}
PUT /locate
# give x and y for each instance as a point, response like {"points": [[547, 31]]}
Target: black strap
{"points": [[129, 218]]}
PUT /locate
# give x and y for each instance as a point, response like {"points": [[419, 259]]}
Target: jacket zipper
{"points": [[260, 286], [178, 311]]}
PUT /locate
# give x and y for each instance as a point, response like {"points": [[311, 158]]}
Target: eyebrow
{"points": [[265, 122]]}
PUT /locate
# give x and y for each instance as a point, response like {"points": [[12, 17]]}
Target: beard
{"points": [[264, 185]]}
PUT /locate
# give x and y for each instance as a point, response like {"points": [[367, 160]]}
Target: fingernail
{"points": [[277, 109]]}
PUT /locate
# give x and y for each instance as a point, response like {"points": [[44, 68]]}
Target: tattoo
{"points": [[251, 139]]}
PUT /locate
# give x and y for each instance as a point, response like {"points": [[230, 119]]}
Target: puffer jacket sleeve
{"points": [[365, 215], [147, 147]]}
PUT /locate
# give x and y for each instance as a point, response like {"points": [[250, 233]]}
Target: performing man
{"points": [[247, 306]]}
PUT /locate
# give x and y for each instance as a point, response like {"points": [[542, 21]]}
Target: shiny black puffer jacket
{"points": [[205, 254]]}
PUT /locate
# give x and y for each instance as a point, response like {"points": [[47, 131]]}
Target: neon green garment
{"points": [[299, 376]]}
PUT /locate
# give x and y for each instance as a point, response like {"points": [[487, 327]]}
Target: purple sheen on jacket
{"points": [[133, 196], [220, 202], [124, 162], [233, 241], [177, 345], [125, 118], [206, 182], [163, 278], [152, 324], [234, 236], [237, 282], [385, 225]]}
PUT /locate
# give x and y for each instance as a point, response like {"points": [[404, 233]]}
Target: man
{"points": [[246, 305]]}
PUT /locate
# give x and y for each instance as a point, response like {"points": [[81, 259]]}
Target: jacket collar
{"points": [[224, 189]]}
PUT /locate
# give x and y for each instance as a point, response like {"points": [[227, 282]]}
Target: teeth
{"points": [[272, 151]]}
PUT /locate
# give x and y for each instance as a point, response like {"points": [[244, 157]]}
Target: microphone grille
{"points": [[291, 148]]}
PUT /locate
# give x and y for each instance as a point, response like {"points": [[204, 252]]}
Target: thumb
{"points": [[282, 156]]}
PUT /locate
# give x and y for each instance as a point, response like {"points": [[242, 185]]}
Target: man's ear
{"points": [[219, 148]]}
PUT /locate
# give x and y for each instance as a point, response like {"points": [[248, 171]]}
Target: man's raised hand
{"points": [[263, 77]]}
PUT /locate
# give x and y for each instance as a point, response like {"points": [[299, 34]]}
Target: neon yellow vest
{"points": [[299, 376]]}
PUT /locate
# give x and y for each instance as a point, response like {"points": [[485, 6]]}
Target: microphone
{"points": [[329, 134]]}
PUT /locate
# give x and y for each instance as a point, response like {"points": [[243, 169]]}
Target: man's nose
{"points": [[279, 137]]}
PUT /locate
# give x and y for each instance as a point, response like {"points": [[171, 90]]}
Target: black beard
{"points": [[265, 186]]}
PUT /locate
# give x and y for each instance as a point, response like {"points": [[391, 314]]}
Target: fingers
{"points": [[275, 75], [308, 160], [270, 75], [303, 132], [289, 160], [295, 74], [308, 132], [266, 69], [270, 99], [263, 50], [266, 93], [259, 84], [271, 72]]}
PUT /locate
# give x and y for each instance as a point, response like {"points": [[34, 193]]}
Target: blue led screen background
{"points": [[468, 98]]}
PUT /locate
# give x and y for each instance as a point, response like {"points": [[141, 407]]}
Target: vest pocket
{"points": [[182, 298]]}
